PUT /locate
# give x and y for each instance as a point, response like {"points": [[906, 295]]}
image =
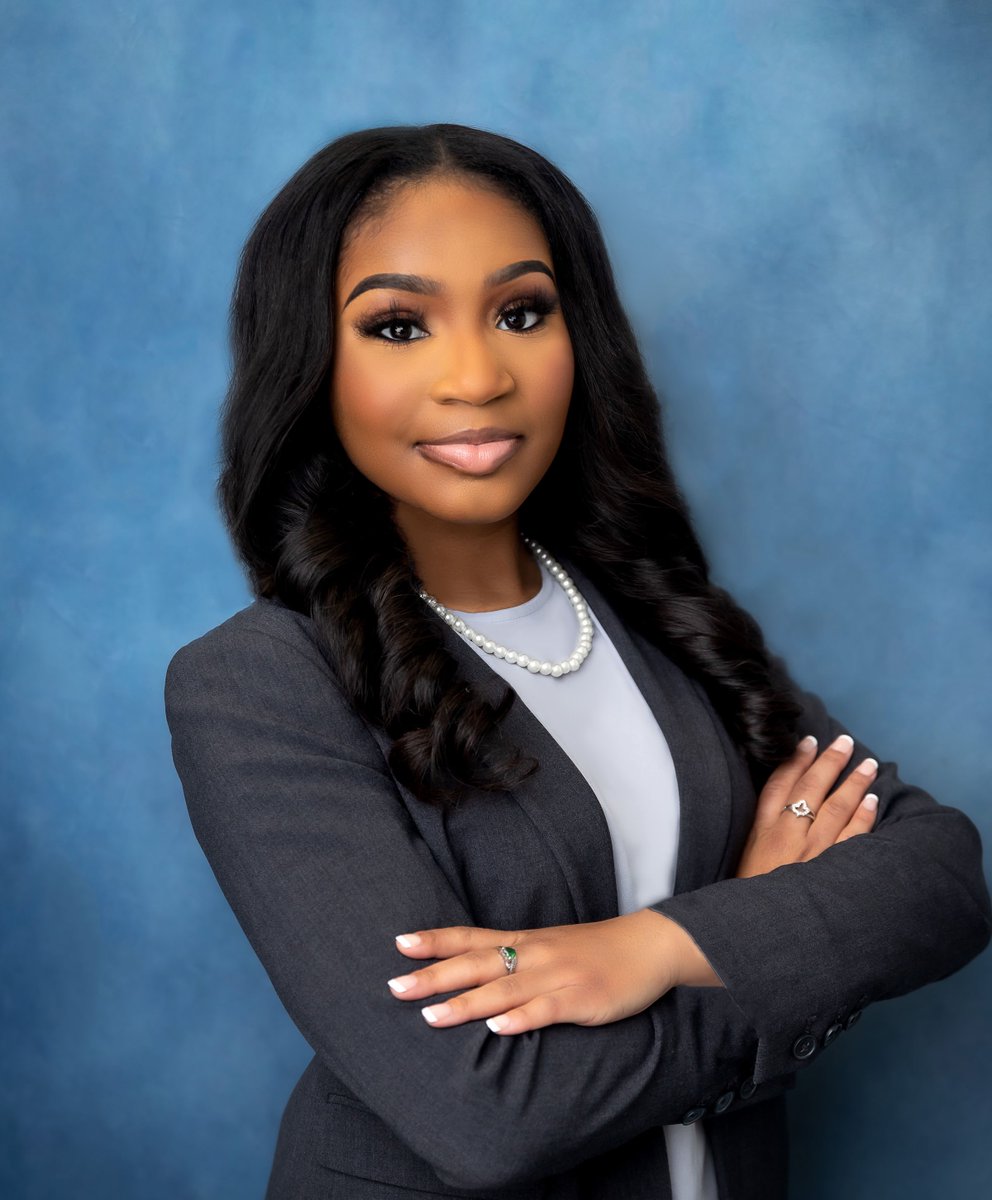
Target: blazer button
{"points": [[804, 1046], [748, 1088], [693, 1115], [832, 1032], [853, 1018], [723, 1102]]}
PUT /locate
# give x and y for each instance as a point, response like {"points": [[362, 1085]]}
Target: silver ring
{"points": [[801, 809], [509, 956]]}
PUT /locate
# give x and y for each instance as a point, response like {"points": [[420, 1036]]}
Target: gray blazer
{"points": [[324, 857]]}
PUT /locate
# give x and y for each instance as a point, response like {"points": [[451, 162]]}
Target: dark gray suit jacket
{"points": [[324, 857]]}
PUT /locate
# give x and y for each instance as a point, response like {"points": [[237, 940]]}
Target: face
{"points": [[448, 330]]}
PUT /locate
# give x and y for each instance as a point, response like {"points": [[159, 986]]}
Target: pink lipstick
{"points": [[474, 451]]}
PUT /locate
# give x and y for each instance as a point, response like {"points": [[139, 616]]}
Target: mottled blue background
{"points": [[798, 199]]}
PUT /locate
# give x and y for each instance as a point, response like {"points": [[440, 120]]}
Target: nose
{"points": [[471, 370]]}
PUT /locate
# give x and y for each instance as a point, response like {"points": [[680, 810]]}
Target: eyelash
{"points": [[373, 325]]}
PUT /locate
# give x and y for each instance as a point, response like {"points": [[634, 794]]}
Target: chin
{"points": [[460, 512]]}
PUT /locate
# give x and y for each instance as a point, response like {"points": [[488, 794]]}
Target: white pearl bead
{"points": [[533, 665]]}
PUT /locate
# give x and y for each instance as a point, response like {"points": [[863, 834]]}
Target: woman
{"points": [[570, 937]]}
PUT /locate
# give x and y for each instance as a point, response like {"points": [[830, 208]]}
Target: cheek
{"points": [[557, 376], [368, 406]]}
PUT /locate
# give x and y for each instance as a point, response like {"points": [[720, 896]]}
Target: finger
{"points": [[512, 991], [567, 1005], [461, 971], [816, 781], [863, 820], [782, 780], [837, 809], [453, 939]]}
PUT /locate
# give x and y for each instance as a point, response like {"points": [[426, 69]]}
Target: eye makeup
{"points": [[372, 326]]}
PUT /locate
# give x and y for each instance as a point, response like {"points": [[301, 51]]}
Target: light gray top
{"points": [[602, 722]]}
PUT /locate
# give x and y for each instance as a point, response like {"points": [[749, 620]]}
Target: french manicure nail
{"points": [[870, 802], [436, 1012], [497, 1023], [808, 742], [406, 940], [868, 767], [401, 983], [844, 742]]}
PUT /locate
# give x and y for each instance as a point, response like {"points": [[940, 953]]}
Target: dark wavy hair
{"points": [[312, 531]]}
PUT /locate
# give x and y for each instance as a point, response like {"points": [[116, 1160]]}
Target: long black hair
{"points": [[312, 531]]}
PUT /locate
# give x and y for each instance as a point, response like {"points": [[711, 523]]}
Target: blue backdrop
{"points": [[798, 199]]}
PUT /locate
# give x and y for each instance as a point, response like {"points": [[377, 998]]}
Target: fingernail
{"points": [[406, 940], [868, 767], [401, 982], [844, 742], [498, 1023], [436, 1012], [870, 802], [808, 742]]}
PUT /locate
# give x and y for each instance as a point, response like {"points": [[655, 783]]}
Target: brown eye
{"points": [[527, 313], [397, 328], [516, 318], [400, 331]]}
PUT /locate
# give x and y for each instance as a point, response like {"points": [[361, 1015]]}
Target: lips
{"points": [[474, 451]]}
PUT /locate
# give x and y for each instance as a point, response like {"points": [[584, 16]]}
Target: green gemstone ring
{"points": [[509, 956]]}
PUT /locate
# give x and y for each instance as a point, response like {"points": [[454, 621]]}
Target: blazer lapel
{"points": [[695, 736], [556, 798]]}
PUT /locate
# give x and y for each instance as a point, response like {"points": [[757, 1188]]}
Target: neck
{"points": [[473, 568]]}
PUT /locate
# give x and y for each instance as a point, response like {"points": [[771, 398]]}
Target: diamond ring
{"points": [[801, 809]]}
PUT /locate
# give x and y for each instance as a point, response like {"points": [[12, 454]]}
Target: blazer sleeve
{"points": [[305, 830], [802, 949]]}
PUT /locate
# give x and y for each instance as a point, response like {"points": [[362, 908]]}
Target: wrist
{"points": [[689, 965]]}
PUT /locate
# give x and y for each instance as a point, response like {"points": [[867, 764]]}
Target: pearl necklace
{"points": [[534, 665]]}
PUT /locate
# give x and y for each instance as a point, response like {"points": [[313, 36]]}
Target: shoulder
{"points": [[265, 651], [261, 622], [259, 684]]}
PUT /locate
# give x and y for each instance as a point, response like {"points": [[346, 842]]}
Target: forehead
{"points": [[442, 228]]}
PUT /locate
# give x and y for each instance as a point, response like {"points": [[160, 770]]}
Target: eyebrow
{"points": [[431, 287]]}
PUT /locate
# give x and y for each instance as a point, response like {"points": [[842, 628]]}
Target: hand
{"points": [[586, 974], [779, 836]]}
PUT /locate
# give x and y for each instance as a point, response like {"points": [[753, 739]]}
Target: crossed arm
{"points": [[317, 856], [603, 971]]}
